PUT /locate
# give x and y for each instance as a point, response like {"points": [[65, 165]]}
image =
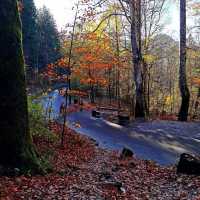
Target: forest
{"points": [[104, 107]]}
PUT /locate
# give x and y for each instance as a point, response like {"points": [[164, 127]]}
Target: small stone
{"points": [[18, 180], [126, 153], [122, 190]]}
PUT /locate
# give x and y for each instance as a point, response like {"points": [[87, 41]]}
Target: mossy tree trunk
{"points": [[16, 148]]}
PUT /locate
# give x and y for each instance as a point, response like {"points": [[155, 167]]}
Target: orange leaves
{"points": [[49, 72], [87, 81], [103, 65], [93, 55], [77, 72], [57, 70], [103, 82], [78, 93], [90, 36], [95, 58], [63, 62], [51, 65], [97, 81], [80, 50], [196, 81], [88, 57]]}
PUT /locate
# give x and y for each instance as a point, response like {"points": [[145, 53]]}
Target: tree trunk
{"points": [[16, 148], [137, 58], [196, 106], [71, 52], [118, 61], [185, 94], [92, 95]]}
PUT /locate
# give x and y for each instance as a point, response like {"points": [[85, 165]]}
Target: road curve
{"points": [[161, 141]]}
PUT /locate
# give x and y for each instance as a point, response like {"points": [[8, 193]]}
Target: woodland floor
{"points": [[83, 171]]}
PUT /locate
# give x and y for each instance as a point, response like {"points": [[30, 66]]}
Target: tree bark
{"points": [[196, 106], [140, 111], [185, 94], [16, 148]]}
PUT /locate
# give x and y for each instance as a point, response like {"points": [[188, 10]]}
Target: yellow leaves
{"points": [[193, 54], [147, 41], [148, 58], [66, 43], [168, 100]]}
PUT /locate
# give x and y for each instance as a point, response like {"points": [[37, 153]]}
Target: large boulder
{"points": [[189, 165]]}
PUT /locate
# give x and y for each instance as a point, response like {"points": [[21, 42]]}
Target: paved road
{"points": [[161, 141]]}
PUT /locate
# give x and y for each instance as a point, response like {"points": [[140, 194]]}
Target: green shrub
{"points": [[37, 122]]}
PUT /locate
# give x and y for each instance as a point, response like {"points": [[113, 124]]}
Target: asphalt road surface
{"points": [[161, 141]]}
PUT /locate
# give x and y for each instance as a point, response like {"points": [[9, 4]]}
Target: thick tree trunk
{"points": [[185, 94], [16, 149], [140, 111]]}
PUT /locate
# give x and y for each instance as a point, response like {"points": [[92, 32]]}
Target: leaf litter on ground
{"points": [[84, 171]]}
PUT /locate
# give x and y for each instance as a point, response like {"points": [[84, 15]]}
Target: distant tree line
{"points": [[40, 37]]}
